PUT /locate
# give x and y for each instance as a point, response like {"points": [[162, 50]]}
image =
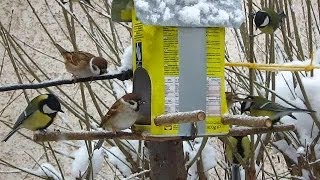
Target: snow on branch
{"points": [[250, 121], [243, 131], [124, 75], [94, 135], [180, 117]]}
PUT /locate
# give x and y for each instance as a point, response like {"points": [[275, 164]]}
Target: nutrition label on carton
{"points": [[215, 58], [171, 69]]}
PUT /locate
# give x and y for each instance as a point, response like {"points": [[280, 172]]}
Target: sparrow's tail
{"points": [[61, 49]]}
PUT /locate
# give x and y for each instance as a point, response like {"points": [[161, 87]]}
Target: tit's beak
{"points": [[61, 111]]}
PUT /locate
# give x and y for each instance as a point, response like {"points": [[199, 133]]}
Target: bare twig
{"points": [[125, 75]]}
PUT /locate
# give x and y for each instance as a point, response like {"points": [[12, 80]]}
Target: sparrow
{"points": [[38, 115], [122, 114], [82, 64], [267, 20], [260, 106]]}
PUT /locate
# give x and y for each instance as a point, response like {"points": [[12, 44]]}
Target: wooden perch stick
{"points": [[124, 75], [243, 131], [250, 121], [180, 117], [94, 135]]}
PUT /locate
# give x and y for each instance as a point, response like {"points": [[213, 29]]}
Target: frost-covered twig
{"points": [[180, 117], [250, 121], [137, 174], [243, 131], [125, 75]]}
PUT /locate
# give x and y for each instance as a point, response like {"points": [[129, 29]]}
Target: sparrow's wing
{"points": [[78, 58], [113, 111]]}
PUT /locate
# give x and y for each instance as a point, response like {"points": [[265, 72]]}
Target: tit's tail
{"points": [[99, 144], [235, 172], [10, 134]]}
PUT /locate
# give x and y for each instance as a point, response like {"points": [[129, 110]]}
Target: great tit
{"points": [[240, 145], [38, 115], [260, 106], [267, 20]]}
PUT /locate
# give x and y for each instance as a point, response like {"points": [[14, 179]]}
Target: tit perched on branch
{"points": [[38, 115], [122, 114], [267, 20], [260, 106], [82, 64]]}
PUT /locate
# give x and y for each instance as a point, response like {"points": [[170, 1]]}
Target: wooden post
{"points": [[167, 160]]}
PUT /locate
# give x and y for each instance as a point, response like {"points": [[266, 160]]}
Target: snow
{"points": [[284, 82], [118, 160], [46, 170], [208, 155], [286, 149], [126, 59], [191, 13], [81, 162], [301, 150]]}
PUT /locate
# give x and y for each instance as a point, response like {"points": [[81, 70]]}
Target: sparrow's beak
{"points": [[141, 102]]}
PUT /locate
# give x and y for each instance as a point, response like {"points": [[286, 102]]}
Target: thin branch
{"points": [[94, 135], [125, 75]]}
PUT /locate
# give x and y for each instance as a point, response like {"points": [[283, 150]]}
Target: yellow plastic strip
{"points": [[272, 67]]}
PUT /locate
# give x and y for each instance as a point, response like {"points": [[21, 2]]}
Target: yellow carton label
{"points": [[215, 99]]}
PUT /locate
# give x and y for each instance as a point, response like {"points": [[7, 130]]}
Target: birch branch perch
{"points": [[243, 131], [124, 75], [249, 121], [180, 117], [94, 135]]}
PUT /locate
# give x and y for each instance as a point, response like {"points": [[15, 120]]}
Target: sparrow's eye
{"points": [[94, 67], [131, 102]]}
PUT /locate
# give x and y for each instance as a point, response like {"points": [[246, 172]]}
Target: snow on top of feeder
{"points": [[190, 13]]}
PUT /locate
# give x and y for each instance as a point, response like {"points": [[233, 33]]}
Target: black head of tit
{"points": [[50, 105], [267, 20]]}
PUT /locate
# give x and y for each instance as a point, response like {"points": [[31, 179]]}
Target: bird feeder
{"points": [[178, 60]]}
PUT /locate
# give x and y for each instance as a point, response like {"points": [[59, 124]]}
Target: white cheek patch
{"points": [[47, 110], [248, 105], [265, 22], [95, 70]]}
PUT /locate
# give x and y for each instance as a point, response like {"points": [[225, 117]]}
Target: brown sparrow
{"points": [[83, 64], [123, 113]]}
